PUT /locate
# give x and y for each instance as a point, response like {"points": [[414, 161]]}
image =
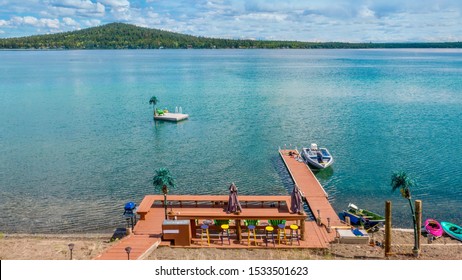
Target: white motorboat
{"points": [[318, 158]]}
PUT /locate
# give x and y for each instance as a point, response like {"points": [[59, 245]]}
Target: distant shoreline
{"points": [[227, 49], [128, 36]]}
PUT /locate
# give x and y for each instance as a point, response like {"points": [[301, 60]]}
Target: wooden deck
{"points": [[315, 195], [141, 245], [147, 233], [171, 117]]}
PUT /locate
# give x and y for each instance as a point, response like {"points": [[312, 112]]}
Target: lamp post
{"points": [[71, 247], [128, 249]]}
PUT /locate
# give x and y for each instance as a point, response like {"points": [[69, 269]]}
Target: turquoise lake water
{"points": [[77, 138]]}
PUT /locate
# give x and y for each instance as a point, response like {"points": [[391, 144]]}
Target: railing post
{"points": [[318, 218], [238, 230], [347, 220], [387, 228], [418, 218]]}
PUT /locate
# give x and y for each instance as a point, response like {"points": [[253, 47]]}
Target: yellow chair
{"points": [[294, 234], [225, 230], [269, 235], [251, 234], [205, 234], [282, 233]]}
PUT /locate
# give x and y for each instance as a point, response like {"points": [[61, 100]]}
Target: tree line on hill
{"points": [[127, 36]]}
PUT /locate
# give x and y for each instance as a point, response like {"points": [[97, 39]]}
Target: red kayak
{"points": [[433, 227]]}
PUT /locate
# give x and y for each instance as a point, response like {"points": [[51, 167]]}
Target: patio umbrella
{"points": [[296, 200], [233, 203]]}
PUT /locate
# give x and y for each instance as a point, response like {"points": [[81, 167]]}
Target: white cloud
{"points": [[33, 21], [263, 17], [50, 23], [85, 8], [70, 22], [115, 3], [91, 22], [325, 20], [365, 12], [30, 20]]}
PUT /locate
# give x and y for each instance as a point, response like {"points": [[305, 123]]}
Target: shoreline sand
{"points": [[87, 246]]}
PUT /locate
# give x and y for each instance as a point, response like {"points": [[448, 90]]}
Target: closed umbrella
{"points": [[233, 203], [296, 200]]}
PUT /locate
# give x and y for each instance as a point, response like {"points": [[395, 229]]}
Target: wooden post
{"points": [[318, 218], [347, 220], [418, 219], [302, 229], [387, 228], [192, 224], [239, 230]]}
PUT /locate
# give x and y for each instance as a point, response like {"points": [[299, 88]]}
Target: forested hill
{"points": [[127, 36]]}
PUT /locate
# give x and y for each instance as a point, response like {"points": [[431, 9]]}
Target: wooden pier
{"points": [[315, 195]]}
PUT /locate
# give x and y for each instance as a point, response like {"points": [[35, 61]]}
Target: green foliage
{"points": [[153, 100], [251, 222], [275, 223], [127, 36], [400, 180], [163, 179], [221, 222]]}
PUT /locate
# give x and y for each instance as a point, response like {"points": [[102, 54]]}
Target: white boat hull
{"points": [[317, 158]]}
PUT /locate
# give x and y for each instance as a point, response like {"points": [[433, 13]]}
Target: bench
{"points": [[146, 205]]}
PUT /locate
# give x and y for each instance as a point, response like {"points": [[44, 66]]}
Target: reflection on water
{"points": [[324, 174]]}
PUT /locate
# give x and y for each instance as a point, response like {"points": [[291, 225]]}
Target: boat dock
{"points": [[171, 117], [196, 210], [312, 191]]}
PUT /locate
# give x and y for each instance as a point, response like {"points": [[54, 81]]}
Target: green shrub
{"points": [[251, 222], [221, 222], [275, 223]]}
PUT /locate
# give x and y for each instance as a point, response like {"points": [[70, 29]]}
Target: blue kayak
{"points": [[452, 230]]}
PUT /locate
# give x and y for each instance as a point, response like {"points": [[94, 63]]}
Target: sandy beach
{"points": [[88, 246]]}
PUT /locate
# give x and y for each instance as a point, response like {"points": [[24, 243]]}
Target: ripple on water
{"points": [[78, 141]]}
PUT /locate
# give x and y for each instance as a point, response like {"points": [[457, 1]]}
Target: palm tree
{"points": [[163, 179], [153, 101], [400, 180]]}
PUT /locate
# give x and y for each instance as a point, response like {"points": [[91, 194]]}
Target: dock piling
{"points": [[318, 218], [418, 218], [387, 228]]}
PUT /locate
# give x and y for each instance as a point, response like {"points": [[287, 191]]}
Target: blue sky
{"points": [[309, 20]]}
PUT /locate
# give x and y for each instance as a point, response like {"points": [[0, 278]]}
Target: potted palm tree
{"points": [[162, 180], [401, 181], [153, 101]]}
